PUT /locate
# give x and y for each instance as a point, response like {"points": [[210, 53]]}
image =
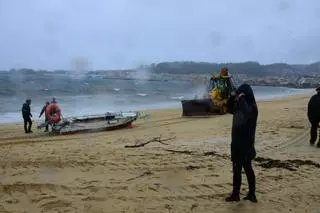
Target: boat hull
{"points": [[96, 126], [94, 123]]}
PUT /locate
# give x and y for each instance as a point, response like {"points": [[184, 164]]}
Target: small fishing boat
{"points": [[92, 123]]}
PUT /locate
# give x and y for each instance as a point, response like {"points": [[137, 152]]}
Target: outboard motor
{"points": [[109, 116]]}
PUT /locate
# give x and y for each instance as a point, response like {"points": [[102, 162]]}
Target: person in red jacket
{"points": [[53, 112]]}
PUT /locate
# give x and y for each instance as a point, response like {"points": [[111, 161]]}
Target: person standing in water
{"points": [[314, 116], [26, 114], [243, 106], [46, 117]]}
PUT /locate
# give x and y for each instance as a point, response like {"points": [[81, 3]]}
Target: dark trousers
{"points": [[27, 120], [237, 169], [47, 126], [314, 132]]}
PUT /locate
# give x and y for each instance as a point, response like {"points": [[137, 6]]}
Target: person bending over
{"points": [[46, 117]]}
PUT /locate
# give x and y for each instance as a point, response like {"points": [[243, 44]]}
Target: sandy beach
{"points": [[95, 173]]}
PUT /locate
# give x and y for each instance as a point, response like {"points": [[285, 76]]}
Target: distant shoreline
{"points": [[252, 72]]}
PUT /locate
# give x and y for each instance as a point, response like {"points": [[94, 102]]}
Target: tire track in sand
{"points": [[299, 139], [172, 121]]}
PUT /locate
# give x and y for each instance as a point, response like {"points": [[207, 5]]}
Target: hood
{"points": [[247, 90]]}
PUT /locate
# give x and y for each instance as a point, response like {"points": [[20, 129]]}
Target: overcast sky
{"points": [[54, 34]]}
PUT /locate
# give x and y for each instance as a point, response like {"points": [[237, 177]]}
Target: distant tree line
{"points": [[248, 68]]}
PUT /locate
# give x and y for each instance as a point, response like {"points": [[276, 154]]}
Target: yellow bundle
{"points": [[216, 94]]}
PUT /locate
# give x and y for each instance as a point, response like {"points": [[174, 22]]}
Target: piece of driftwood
{"points": [[142, 175], [181, 152], [156, 139]]}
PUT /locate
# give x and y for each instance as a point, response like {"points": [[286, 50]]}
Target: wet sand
{"points": [[94, 172]]}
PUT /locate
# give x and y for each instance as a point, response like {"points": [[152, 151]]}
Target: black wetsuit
{"points": [[26, 114], [314, 117], [245, 113]]}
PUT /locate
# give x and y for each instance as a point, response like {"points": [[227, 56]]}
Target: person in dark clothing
{"points": [[46, 117], [243, 106], [26, 114], [314, 116]]}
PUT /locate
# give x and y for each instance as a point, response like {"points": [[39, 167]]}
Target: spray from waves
{"points": [[198, 91], [80, 66], [140, 75], [21, 83]]}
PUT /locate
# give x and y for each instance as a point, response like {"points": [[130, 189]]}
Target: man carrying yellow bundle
{"points": [[219, 83], [217, 94]]}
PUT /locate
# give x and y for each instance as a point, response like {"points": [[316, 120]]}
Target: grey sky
{"points": [[53, 34]]}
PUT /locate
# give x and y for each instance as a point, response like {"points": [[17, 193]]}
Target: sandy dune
{"points": [[95, 173]]}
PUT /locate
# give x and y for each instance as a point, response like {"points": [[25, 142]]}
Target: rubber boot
{"points": [[233, 197], [251, 196]]}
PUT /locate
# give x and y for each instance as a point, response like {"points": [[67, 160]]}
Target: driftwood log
{"points": [[155, 139]]}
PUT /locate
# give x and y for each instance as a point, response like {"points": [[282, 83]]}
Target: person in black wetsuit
{"points": [[243, 106], [26, 114], [314, 116], [46, 118]]}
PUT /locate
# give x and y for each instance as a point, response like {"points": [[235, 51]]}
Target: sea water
{"points": [[128, 95]]}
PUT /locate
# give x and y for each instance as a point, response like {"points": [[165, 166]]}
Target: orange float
{"points": [[53, 112]]}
